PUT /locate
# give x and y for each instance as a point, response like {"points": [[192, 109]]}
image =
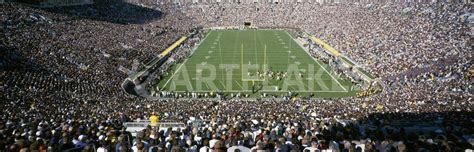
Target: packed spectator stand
{"points": [[61, 70]]}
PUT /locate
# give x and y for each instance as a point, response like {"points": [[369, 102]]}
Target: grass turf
{"points": [[228, 60]]}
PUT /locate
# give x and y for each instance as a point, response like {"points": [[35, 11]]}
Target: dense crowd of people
{"points": [[61, 70]]}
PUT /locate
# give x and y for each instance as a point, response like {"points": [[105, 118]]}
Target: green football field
{"points": [[254, 62]]}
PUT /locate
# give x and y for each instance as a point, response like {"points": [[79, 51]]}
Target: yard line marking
{"points": [[239, 84], [255, 46], [242, 61], [289, 52], [235, 48], [264, 68], [172, 76], [322, 67], [207, 86], [189, 81], [220, 60], [291, 88], [223, 86]]}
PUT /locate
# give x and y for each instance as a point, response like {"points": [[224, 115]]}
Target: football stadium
{"points": [[236, 75]]}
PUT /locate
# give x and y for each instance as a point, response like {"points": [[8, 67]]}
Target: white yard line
{"points": [[222, 84], [255, 44], [207, 85], [319, 64], [239, 84], [287, 84], [172, 76], [189, 81]]}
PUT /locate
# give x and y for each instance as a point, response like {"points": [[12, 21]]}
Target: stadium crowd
{"points": [[61, 70]]}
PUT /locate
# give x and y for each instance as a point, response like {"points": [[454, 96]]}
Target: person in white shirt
{"points": [[241, 148], [101, 149], [213, 141], [313, 148], [139, 147], [205, 147]]}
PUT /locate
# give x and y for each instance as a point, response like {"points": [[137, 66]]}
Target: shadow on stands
{"points": [[399, 126], [13, 60], [114, 12]]}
